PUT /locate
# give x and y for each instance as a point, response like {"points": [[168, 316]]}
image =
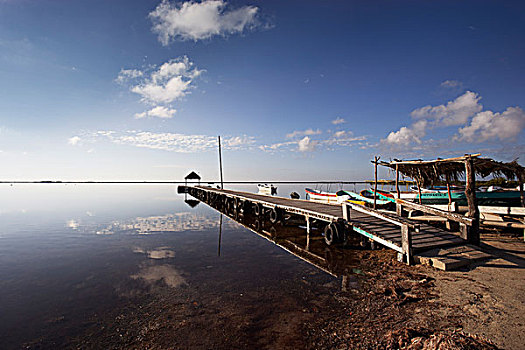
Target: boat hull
{"points": [[503, 198], [321, 196]]}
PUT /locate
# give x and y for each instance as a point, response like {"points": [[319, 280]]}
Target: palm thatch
{"points": [[453, 169]]}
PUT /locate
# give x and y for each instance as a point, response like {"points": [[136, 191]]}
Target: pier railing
{"points": [[454, 221], [406, 226]]}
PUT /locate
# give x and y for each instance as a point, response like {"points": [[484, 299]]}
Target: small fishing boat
{"points": [[320, 196], [494, 198], [352, 197], [266, 189], [437, 189]]}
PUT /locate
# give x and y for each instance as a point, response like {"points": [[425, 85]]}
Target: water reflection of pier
{"points": [[293, 236]]}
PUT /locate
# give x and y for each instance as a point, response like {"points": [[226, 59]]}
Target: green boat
{"points": [[494, 198], [353, 197]]}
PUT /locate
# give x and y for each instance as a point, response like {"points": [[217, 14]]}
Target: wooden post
{"points": [[397, 181], [449, 193], [308, 230], [472, 233], [375, 181], [220, 162], [406, 243], [418, 189], [346, 211], [520, 180]]}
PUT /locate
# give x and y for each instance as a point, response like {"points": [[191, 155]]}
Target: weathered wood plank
{"points": [[385, 228]]}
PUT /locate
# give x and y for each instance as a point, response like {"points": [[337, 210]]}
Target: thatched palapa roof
{"points": [[192, 176], [452, 169]]}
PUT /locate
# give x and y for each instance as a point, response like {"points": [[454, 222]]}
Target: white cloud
{"points": [[343, 138], [307, 132], [455, 112], [128, 74], [192, 20], [466, 112], [307, 145], [338, 121], [159, 112], [238, 142], [73, 141], [276, 146], [342, 133], [170, 82], [161, 85], [174, 142], [451, 84], [488, 125], [407, 135], [404, 136]]}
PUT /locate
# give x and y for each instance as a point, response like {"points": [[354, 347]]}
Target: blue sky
{"points": [[299, 90]]}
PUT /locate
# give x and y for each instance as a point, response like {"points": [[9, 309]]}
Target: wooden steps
{"points": [[451, 258]]}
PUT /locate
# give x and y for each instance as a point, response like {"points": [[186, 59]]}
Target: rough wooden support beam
{"points": [[406, 241], [522, 196], [472, 234], [418, 189], [375, 181], [448, 191], [434, 211], [397, 182], [346, 211]]}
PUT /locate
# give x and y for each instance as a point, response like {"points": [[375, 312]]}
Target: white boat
{"points": [[266, 189], [321, 196]]}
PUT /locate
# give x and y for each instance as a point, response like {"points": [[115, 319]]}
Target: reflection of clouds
{"points": [[157, 253], [178, 222], [161, 254], [166, 273], [73, 224]]}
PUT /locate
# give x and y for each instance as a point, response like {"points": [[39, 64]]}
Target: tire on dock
{"points": [[246, 207], [258, 225], [334, 233], [229, 205], [258, 209], [276, 215]]}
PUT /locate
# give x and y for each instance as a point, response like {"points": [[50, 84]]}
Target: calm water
{"points": [[72, 256]]}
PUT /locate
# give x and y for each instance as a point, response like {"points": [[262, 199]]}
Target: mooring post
{"points": [[308, 229], [346, 211], [399, 209], [406, 243], [220, 163]]}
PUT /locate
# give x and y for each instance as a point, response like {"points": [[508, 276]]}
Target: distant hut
{"points": [[192, 176]]}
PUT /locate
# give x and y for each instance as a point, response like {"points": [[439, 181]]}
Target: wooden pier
{"points": [[388, 229]]}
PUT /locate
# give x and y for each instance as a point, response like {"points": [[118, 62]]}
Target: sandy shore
{"points": [[490, 295]]}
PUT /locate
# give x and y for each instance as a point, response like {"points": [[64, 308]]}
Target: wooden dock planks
{"points": [[383, 231]]}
